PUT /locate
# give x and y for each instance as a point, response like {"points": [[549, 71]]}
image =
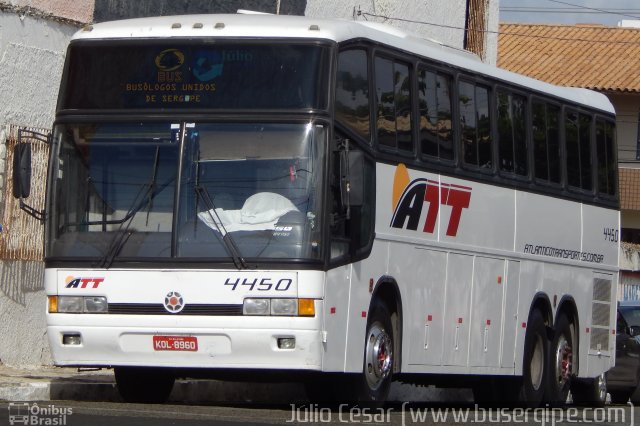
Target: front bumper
{"points": [[240, 342]]}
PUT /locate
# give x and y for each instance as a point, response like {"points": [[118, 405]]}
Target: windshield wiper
{"points": [[227, 240], [123, 233]]}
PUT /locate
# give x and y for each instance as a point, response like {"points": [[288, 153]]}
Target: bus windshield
{"points": [[214, 191]]}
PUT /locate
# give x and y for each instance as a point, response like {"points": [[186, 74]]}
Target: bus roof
{"points": [[337, 30]]}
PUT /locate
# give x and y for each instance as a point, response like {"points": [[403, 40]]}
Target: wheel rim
{"points": [[536, 366], [563, 361], [601, 387], [378, 356]]}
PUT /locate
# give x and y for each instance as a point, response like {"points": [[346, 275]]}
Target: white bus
{"points": [[333, 201]]}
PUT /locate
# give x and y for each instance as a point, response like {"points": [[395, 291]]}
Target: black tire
{"points": [[621, 396], [534, 380], [372, 386], [590, 392], [144, 385], [561, 362]]}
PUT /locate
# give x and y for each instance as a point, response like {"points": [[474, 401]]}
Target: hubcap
{"points": [[378, 356], [563, 361]]}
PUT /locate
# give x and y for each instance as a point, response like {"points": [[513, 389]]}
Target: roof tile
{"points": [[591, 56]]}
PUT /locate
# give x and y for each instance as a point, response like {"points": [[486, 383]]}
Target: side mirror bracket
{"points": [[351, 177]]}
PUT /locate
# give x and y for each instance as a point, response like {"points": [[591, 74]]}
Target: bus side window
{"points": [[605, 133], [475, 125], [546, 142], [512, 136], [578, 146], [434, 101], [393, 96], [352, 91]]}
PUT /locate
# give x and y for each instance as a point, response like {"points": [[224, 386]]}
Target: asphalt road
{"points": [[74, 413]]}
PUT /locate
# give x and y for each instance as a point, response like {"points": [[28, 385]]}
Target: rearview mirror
{"points": [[22, 170], [634, 330]]}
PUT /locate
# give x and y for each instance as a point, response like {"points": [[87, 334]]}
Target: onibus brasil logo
{"points": [[410, 197], [32, 414]]}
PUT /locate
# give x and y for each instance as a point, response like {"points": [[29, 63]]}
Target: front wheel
{"points": [[144, 385], [374, 384]]}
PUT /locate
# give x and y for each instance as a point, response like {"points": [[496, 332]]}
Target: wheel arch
{"points": [[387, 291]]}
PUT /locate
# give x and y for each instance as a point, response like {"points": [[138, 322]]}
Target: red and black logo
{"points": [[409, 198]]}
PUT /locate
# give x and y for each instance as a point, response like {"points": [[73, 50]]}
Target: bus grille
{"points": [[158, 309], [600, 317]]}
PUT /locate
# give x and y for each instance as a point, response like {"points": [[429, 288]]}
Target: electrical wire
{"points": [[524, 9], [590, 8], [515, 34]]}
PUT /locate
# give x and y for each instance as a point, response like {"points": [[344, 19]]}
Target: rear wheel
{"points": [[144, 385], [561, 362]]}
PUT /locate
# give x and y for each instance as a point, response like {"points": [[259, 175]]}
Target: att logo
{"points": [[83, 282], [410, 197]]}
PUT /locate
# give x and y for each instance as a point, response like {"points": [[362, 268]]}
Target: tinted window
{"points": [[352, 91], [578, 142], [172, 74], [434, 98], [475, 126], [512, 136], [393, 92], [585, 151], [572, 140], [605, 143], [546, 142]]}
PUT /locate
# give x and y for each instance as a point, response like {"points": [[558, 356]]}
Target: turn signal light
{"points": [[306, 308], [53, 304]]}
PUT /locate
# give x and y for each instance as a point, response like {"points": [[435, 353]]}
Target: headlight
{"points": [[78, 304], [95, 305], [284, 307], [70, 304], [256, 307], [279, 307]]}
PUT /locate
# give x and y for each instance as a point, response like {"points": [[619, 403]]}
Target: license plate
{"points": [[175, 343]]}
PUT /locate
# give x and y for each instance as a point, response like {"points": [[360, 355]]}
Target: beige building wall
{"points": [[627, 108], [32, 50]]}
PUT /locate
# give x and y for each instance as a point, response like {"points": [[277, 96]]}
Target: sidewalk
{"points": [[54, 383], [47, 383]]}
